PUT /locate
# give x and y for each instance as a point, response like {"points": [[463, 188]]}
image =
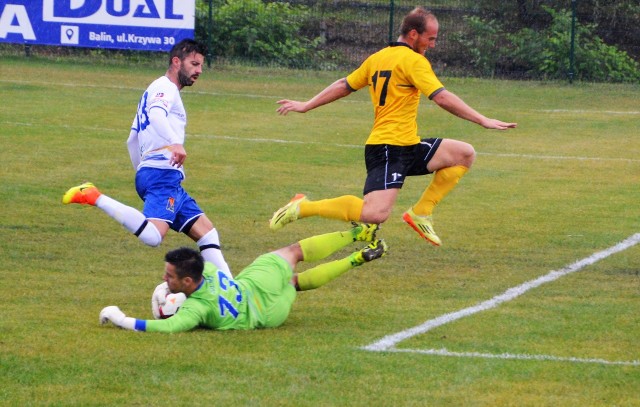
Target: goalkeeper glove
{"points": [[117, 318], [164, 304], [158, 299]]}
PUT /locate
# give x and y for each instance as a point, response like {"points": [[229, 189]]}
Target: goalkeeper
{"points": [[261, 296]]}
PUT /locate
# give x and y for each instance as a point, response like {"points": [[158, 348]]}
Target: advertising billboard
{"points": [[150, 25]]}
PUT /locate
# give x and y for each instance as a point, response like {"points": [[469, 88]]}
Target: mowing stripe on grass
{"points": [[558, 157], [249, 95], [580, 111], [389, 342], [360, 146]]}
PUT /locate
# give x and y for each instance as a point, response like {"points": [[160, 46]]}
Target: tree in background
{"points": [[257, 31], [616, 22], [519, 39], [542, 50]]}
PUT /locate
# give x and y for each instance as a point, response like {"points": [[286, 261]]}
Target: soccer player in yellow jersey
{"points": [[396, 76]]}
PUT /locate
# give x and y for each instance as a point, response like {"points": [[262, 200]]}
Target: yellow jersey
{"points": [[396, 76]]}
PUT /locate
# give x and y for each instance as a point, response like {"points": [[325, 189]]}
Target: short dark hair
{"points": [[187, 261], [416, 20], [186, 47]]}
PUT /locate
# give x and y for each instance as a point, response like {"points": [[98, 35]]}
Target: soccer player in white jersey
{"points": [[156, 148]]}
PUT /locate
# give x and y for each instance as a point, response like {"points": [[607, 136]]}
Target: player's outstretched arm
{"points": [[456, 106], [113, 314], [335, 91], [180, 322]]}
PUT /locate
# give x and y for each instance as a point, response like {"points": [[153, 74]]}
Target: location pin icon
{"points": [[69, 33]]}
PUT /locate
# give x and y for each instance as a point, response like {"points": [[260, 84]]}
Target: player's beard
{"points": [[184, 79]]}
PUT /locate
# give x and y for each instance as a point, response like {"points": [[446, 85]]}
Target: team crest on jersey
{"points": [[171, 204], [161, 101]]}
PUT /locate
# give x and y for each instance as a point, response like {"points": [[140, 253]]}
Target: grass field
{"points": [[559, 189]]}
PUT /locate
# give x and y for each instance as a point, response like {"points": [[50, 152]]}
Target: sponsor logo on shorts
{"points": [[171, 204], [396, 176]]}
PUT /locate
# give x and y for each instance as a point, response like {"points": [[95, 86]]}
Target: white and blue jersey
{"points": [[159, 122]]}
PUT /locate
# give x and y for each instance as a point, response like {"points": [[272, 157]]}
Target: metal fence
{"points": [[340, 34], [350, 30]]}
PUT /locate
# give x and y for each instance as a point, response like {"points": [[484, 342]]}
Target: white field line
{"points": [[141, 90], [444, 352], [389, 342]]}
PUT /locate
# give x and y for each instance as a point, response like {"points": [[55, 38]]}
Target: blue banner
{"points": [[150, 25]]}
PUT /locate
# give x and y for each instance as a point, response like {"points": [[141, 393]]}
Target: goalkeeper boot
{"points": [[375, 250], [287, 213], [364, 232], [86, 194], [423, 225]]}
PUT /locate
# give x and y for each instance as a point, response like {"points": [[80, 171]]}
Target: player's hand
{"points": [[112, 314], [498, 125], [158, 299], [178, 155], [287, 106]]}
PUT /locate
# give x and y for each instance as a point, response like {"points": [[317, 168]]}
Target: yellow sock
{"points": [[443, 182], [322, 274], [320, 246], [347, 207]]}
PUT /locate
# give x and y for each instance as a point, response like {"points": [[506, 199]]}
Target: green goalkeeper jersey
{"points": [[259, 297]]}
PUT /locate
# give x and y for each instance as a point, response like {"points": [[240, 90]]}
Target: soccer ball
{"points": [[165, 304]]}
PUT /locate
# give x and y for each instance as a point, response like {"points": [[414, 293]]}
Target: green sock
{"points": [[322, 274], [320, 246]]}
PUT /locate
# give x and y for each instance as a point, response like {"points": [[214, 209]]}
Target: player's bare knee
{"points": [[467, 155], [376, 217]]}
